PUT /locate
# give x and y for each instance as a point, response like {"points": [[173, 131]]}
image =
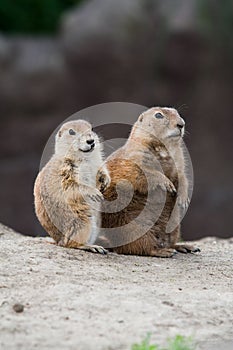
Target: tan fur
{"points": [[152, 143], [66, 194]]}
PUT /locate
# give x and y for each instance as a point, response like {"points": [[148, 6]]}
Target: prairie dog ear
{"points": [[59, 133], [140, 119]]}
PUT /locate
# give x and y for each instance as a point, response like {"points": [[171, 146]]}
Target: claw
{"points": [[168, 187], [94, 249], [185, 248], [96, 197], [172, 189], [195, 250]]}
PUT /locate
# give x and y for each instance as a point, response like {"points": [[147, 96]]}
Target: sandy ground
{"points": [[80, 301]]}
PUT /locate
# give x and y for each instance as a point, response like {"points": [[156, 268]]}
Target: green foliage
{"points": [[216, 22], [177, 343], [32, 16], [145, 345], [180, 343]]}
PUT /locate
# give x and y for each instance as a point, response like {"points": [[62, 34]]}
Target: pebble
{"points": [[18, 308]]}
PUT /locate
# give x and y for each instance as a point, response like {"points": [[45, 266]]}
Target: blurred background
{"points": [[59, 56]]}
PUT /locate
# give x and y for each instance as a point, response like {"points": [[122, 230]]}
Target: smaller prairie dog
{"points": [[152, 162], [67, 190]]}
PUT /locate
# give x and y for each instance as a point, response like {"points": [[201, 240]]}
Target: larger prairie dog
{"points": [[67, 198], [152, 161]]}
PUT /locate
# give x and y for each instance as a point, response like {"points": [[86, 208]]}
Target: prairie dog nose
{"points": [[181, 123], [90, 141], [180, 126]]}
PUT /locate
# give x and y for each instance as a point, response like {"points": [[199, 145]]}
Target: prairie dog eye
{"points": [[72, 132], [159, 116]]}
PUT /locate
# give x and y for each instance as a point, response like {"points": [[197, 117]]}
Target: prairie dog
{"points": [[151, 161], [66, 191]]}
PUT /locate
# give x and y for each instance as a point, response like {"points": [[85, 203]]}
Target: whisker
{"points": [[110, 146], [183, 106]]}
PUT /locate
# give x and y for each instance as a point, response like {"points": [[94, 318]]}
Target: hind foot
{"points": [[93, 249], [163, 253], [186, 248]]}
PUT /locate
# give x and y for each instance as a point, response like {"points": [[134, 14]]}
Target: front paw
{"points": [[183, 201], [186, 248], [94, 249], [167, 185], [103, 181], [95, 195]]}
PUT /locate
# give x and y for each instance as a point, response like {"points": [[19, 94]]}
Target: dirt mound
{"points": [[75, 300]]}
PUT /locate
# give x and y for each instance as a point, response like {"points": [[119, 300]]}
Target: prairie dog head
{"points": [[161, 122], [76, 138]]}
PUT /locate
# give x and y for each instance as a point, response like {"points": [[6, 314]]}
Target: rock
{"points": [[18, 308], [118, 22], [99, 20], [5, 51], [181, 15], [33, 71], [38, 56]]}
